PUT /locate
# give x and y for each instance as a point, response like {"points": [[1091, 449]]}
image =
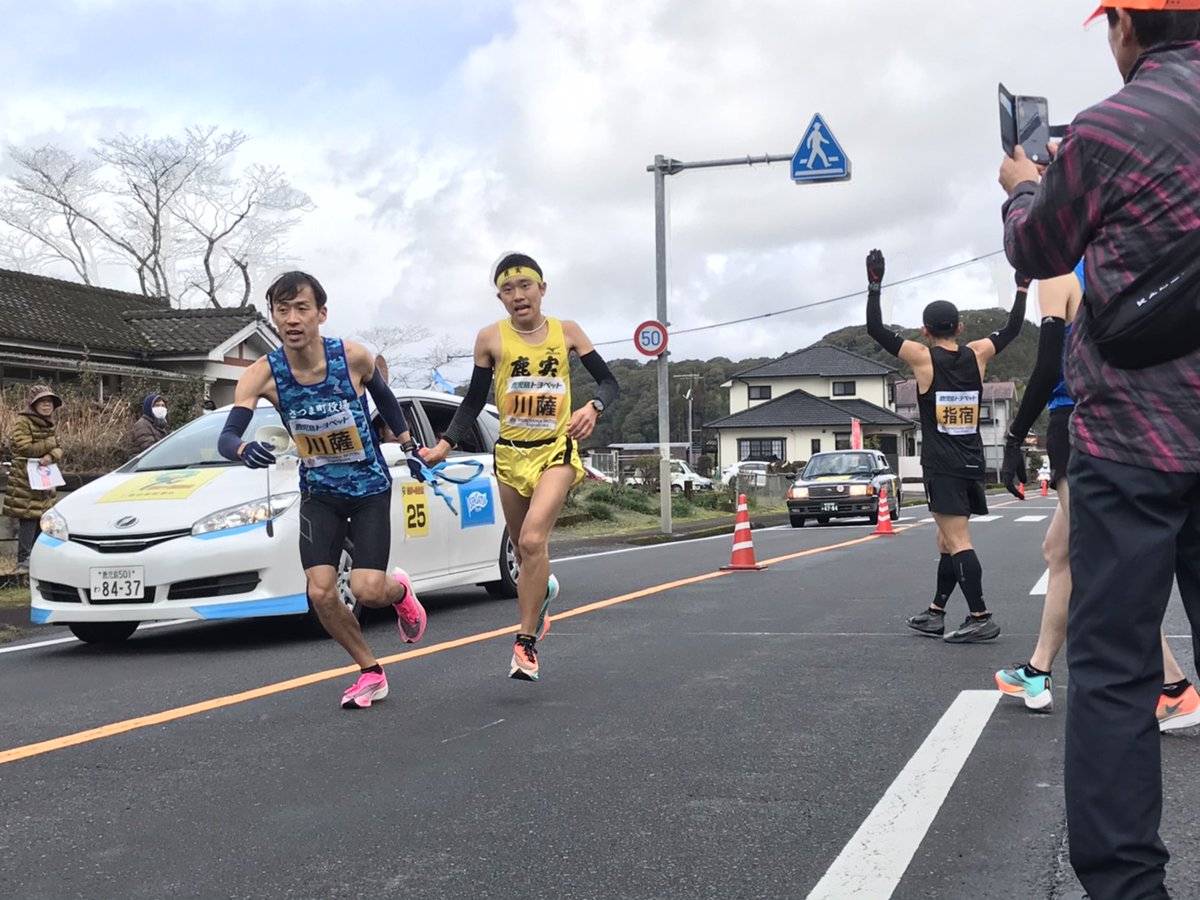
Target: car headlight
{"points": [[797, 493], [247, 513], [860, 490], [54, 525]]}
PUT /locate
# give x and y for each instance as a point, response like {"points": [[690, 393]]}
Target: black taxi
{"points": [[843, 484]]}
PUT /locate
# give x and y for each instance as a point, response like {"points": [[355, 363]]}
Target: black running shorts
{"points": [[1058, 442], [950, 495], [326, 520]]}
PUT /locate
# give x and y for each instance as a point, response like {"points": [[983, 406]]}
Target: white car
{"points": [[181, 533], [681, 473], [752, 470]]}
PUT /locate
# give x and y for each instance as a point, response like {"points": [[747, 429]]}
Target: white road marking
{"points": [[472, 731], [1039, 589], [975, 519], [145, 626], [871, 865], [1032, 519]]}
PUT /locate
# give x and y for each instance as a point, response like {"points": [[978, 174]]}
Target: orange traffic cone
{"points": [[742, 559], [884, 525], [1045, 487]]}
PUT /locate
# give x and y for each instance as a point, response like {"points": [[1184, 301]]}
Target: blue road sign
{"points": [[819, 157]]}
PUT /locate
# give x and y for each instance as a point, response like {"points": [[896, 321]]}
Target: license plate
{"points": [[125, 583], [829, 507]]}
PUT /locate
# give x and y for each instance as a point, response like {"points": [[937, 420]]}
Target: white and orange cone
{"points": [[742, 558], [884, 524]]}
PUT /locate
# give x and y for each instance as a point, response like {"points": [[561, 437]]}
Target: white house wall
{"points": [[872, 388]]}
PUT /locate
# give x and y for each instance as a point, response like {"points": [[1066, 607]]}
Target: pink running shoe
{"points": [[409, 611], [369, 688]]}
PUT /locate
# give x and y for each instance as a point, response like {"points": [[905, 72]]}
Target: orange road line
{"points": [[40, 748]]}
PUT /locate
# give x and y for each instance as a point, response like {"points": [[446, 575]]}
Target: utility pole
{"points": [[693, 377]]}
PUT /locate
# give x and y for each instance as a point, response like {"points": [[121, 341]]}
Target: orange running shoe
{"points": [[524, 659], [1179, 712]]}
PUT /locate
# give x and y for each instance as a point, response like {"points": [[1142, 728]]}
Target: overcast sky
{"points": [[433, 136]]}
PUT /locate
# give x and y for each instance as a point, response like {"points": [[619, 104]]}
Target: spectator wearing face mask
{"points": [[152, 426]]}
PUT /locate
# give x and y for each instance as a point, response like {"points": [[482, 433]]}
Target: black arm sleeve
{"points": [[231, 435], [888, 340], [1047, 372], [1012, 327], [386, 403], [472, 405], [607, 387]]}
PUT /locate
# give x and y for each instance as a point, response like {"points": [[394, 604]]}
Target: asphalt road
{"points": [[694, 735]]}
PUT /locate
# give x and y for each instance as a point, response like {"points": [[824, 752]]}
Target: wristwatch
{"points": [[599, 405]]}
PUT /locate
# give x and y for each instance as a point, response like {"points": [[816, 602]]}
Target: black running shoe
{"points": [[928, 622], [973, 630]]}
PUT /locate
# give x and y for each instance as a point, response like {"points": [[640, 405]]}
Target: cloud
{"points": [[530, 124]]}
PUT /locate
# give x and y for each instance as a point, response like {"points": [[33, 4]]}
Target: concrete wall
{"points": [[872, 388]]}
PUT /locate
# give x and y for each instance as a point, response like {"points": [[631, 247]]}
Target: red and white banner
{"points": [[855, 434]]}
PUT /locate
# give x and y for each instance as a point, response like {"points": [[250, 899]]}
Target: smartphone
{"points": [[1025, 121]]}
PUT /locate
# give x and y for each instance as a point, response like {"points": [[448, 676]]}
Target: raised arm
{"points": [[989, 346], [916, 355]]}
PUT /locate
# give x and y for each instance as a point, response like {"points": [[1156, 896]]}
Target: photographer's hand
{"points": [[1017, 169]]}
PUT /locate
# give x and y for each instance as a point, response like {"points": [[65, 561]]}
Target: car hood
{"points": [[164, 501], [834, 479]]}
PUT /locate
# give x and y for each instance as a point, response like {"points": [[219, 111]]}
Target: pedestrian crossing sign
{"points": [[819, 157]]}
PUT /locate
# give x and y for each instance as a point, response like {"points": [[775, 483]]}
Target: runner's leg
{"points": [[336, 616], [1053, 633], [534, 542]]}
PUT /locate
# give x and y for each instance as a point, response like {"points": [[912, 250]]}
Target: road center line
{"points": [[871, 865], [39, 748]]}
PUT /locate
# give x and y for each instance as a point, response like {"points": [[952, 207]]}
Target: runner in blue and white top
{"points": [[318, 386]]}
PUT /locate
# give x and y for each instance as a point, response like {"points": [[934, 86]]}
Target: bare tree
{"points": [[170, 208], [412, 369]]}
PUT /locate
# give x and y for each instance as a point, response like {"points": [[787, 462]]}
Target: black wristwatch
{"points": [[599, 405], [409, 446]]}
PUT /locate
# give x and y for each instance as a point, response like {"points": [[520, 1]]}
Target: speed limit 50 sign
{"points": [[650, 338]]}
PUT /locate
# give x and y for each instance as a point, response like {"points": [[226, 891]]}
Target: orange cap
{"points": [[1141, 4]]}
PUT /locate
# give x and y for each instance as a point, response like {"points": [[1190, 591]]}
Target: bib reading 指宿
{"points": [[533, 388], [957, 411]]}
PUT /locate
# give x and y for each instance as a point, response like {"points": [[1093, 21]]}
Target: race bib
{"points": [[326, 439], [957, 411], [534, 403]]}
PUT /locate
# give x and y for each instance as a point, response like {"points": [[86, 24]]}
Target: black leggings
{"points": [[326, 520]]}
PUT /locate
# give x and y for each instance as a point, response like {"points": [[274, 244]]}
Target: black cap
{"points": [[940, 314]]}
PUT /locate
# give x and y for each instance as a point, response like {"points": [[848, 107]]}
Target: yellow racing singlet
{"points": [[533, 385]]}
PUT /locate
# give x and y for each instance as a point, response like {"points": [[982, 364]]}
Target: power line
{"points": [[791, 309]]}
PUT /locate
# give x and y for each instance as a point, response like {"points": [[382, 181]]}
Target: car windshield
{"points": [[838, 464], [195, 444]]}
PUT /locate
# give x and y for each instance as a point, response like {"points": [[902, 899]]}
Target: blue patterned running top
{"points": [[331, 428]]}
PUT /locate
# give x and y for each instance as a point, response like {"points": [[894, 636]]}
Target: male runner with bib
{"points": [[537, 455], [318, 384], [949, 386]]}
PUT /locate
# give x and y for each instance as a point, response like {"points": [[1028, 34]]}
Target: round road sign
{"points": [[650, 338]]}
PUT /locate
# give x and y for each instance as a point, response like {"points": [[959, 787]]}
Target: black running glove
{"points": [[1012, 471], [257, 455]]}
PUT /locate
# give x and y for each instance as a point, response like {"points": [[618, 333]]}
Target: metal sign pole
{"points": [[826, 162], [664, 383]]}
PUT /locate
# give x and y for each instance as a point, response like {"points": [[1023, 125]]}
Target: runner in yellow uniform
{"points": [[537, 456]]}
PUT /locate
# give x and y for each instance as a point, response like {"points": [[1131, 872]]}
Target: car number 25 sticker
{"points": [[416, 511]]}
